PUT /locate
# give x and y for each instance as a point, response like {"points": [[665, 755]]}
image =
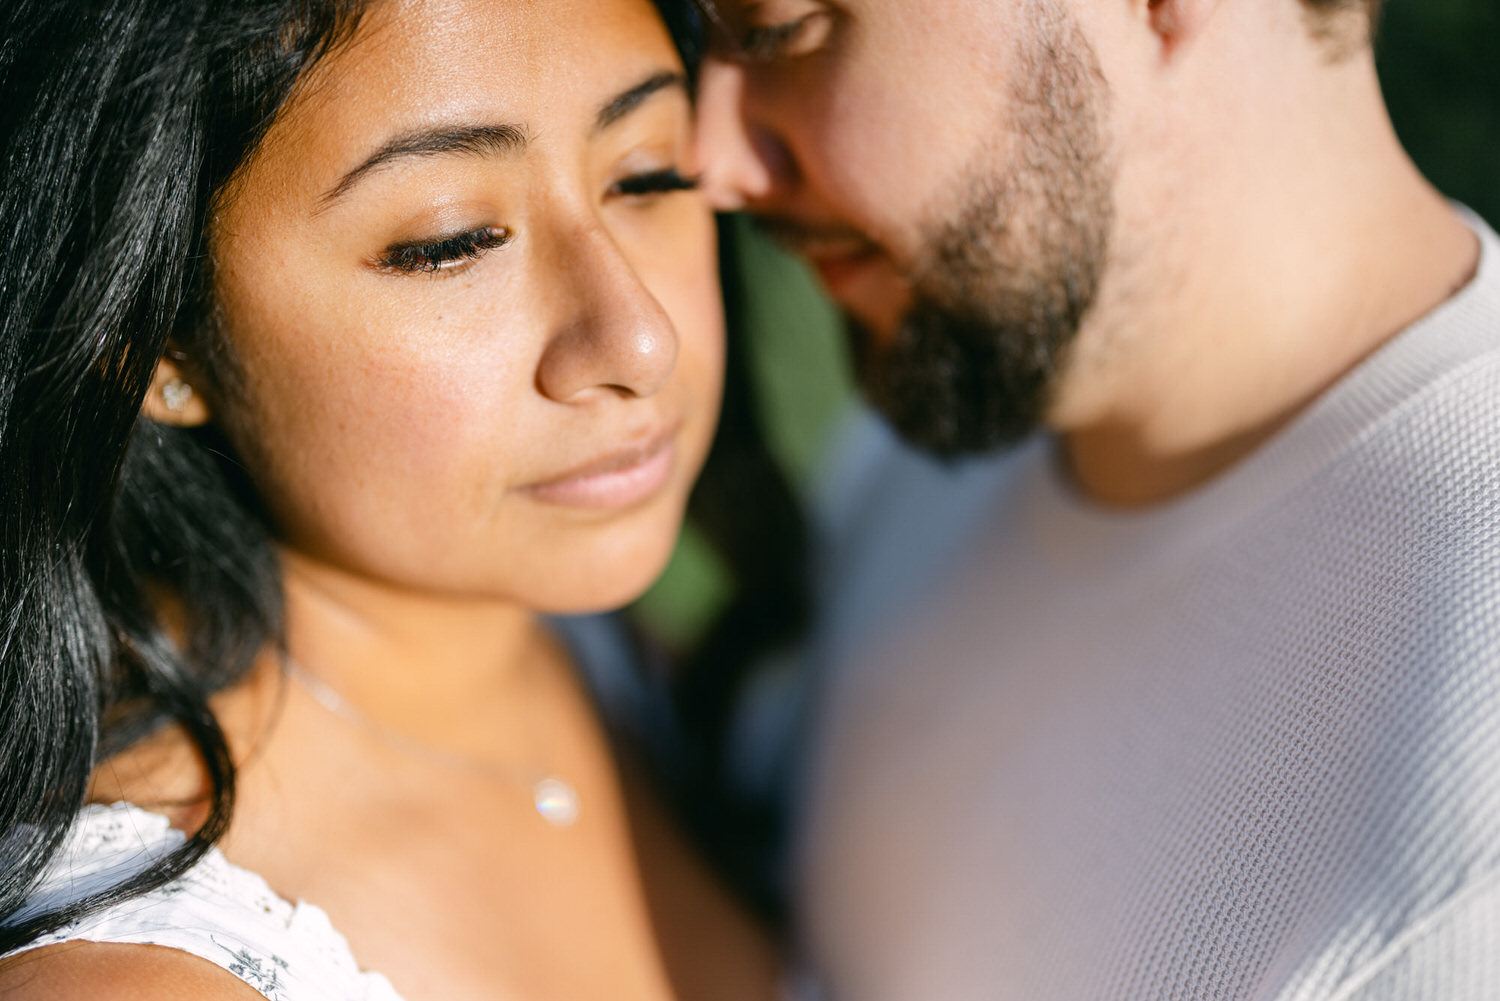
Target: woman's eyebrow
{"points": [[626, 102], [492, 140], [442, 140]]}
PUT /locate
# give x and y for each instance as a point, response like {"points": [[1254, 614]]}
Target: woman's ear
{"points": [[171, 398]]}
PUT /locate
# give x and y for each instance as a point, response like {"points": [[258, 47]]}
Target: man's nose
{"points": [[741, 158]]}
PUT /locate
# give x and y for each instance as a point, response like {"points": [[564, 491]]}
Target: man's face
{"points": [[944, 169]]}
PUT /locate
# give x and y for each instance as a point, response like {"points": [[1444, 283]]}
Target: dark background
{"points": [[1439, 63], [1440, 67]]}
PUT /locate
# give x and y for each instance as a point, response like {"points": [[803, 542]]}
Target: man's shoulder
{"points": [[891, 521], [871, 479]]}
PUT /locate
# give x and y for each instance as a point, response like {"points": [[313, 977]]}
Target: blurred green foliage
{"points": [[800, 370], [1442, 81]]}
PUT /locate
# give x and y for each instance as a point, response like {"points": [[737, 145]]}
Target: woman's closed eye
{"points": [[454, 252], [424, 256]]}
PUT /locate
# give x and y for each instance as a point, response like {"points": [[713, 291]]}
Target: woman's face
{"points": [[477, 318]]}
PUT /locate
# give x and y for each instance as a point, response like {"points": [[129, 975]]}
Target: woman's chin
{"points": [[606, 586]]}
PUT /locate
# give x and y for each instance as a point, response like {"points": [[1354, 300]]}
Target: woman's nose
{"points": [[740, 159], [611, 335]]}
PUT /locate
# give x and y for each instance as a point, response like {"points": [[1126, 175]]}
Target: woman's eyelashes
{"points": [[452, 253], [445, 254]]}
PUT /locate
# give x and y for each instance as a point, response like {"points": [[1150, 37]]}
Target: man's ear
{"points": [[1176, 22], [172, 399]]}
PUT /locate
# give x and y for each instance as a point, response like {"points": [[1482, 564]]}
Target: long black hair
{"points": [[122, 122]]}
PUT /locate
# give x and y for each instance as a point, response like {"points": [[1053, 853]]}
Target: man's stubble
{"points": [[1004, 281]]}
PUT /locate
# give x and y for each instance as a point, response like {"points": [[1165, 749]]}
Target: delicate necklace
{"points": [[555, 799]]}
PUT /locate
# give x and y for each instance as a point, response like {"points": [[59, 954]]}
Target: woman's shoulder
{"points": [[215, 912], [74, 971]]}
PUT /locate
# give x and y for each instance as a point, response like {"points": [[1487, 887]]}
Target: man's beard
{"points": [[1001, 286]]}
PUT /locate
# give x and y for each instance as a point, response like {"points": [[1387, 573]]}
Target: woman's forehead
{"points": [[451, 52], [487, 76]]}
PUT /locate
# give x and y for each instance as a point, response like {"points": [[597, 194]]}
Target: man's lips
{"points": [[838, 254], [619, 478], [838, 265], [811, 240]]}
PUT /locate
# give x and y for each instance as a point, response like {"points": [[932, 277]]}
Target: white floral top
{"points": [[216, 911]]}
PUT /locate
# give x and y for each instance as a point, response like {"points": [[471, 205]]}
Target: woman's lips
{"points": [[618, 479]]}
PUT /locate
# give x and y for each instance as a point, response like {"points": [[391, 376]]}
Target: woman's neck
{"points": [[420, 663]]}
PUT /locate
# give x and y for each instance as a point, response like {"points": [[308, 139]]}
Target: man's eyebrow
{"points": [[443, 140], [631, 99]]}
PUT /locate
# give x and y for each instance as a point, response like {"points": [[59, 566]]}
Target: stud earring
{"points": [[175, 394]]}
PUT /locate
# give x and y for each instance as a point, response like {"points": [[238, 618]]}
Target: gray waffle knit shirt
{"points": [[1244, 745]]}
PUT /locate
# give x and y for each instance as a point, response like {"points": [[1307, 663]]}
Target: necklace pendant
{"points": [[556, 801]]}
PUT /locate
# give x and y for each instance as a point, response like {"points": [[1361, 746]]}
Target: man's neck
{"points": [[1295, 269]]}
